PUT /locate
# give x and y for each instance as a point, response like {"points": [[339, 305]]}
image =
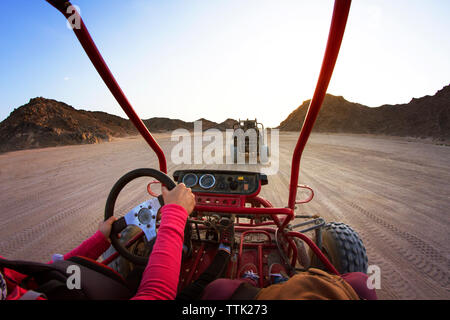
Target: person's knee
{"points": [[221, 289], [358, 281]]}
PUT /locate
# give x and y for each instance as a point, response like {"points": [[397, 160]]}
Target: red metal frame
{"points": [[259, 247], [338, 23], [149, 188], [337, 29], [311, 196], [102, 68]]}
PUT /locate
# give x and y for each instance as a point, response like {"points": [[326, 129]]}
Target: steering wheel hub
{"points": [[145, 216]]}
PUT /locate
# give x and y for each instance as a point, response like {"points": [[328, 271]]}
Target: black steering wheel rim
{"points": [[119, 225]]}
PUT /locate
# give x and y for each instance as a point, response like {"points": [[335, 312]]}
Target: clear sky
{"points": [[222, 59]]}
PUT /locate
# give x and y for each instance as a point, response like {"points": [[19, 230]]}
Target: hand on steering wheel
{"points": [[143, 216], [181, 196]]}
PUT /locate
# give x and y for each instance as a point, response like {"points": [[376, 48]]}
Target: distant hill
{"points": [[48, 123], [227, 124], [206, 124], [428, 116], [165, 124]]}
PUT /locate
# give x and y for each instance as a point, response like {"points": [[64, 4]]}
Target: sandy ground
{"points": [[393, 191]]}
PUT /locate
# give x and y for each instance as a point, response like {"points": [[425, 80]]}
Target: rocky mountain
{"points": [[428, 116], [226, 125], [48, 123]]}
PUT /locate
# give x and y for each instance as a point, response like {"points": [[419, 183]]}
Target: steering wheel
{"points": [[142, 216]]}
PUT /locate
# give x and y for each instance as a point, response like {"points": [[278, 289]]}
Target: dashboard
{"points": [[221, 181]]}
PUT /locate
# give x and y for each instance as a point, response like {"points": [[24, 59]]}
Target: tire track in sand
{"points": [[376, 240]]}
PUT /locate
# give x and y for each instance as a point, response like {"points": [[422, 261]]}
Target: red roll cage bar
{"points": [[337, 29]]}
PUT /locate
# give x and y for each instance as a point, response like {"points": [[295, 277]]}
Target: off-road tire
{"points": [[343, 247]]}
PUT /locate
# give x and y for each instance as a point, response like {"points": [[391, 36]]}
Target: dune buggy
{"points": [[248, 140], [263, 233]]}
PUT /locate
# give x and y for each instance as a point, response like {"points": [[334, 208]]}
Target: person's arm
{"points": [[160, 278], [96, 245]]}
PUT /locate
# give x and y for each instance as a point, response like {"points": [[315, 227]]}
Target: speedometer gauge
{"points": [[207, 181], [190, 180]]}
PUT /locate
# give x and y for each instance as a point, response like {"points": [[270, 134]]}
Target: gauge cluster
{"points": [[220, 181]]}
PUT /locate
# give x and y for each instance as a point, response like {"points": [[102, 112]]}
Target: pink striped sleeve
{"points": [[160, 278]]}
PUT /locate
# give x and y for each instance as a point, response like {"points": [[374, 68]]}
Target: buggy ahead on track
{"points": [[249, 139]]}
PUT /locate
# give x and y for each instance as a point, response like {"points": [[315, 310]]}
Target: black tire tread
{"points": [[344, 248]]}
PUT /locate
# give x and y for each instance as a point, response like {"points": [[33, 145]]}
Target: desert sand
{"points": [[393, 191]]}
